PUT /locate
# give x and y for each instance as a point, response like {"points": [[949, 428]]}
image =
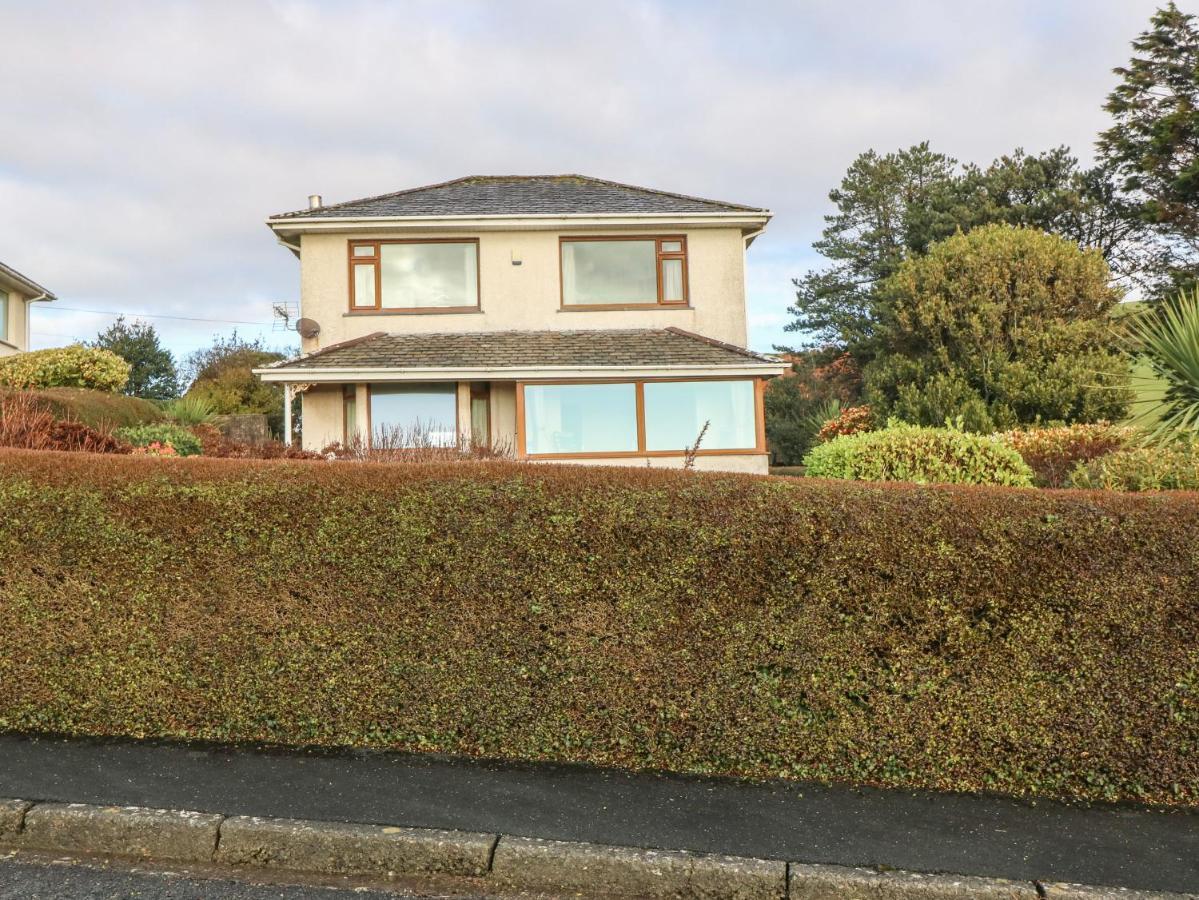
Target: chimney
{"points": [[314, 201]]}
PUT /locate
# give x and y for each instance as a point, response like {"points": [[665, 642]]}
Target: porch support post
{"points": [[288, 394], [463, 415]]}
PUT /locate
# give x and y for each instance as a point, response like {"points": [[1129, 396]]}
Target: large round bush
{"points": [[74, 366], [914, 453]]}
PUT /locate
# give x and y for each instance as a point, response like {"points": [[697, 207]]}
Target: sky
{"points": [[142, 145]]}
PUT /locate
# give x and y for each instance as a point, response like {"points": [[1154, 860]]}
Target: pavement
{"points": [[1117, 846], [58, 879]]}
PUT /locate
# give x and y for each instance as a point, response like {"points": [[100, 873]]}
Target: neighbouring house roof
{"points": [[521, 195], [12, 276], [499, 351]]}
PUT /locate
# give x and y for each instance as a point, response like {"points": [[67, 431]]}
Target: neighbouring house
{"points": [[555, 317], [17, 292]]}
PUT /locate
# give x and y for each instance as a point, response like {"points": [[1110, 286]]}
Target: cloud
{"points": [[146, 143]]}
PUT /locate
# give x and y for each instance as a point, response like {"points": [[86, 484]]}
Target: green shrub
{"points": [[1171, 467], [912, 453], [1053, 452], [184, 442], [957, 638], [96, 409], [73, 366]]}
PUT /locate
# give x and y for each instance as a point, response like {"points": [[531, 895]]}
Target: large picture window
{"points": [[580, 418], [3, 316], [414, 276], [414, 415], [640, 417], [677, 411], [599, 272]]}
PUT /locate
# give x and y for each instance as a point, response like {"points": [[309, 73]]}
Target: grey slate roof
{"points": [[527, 349], [515, 195]]}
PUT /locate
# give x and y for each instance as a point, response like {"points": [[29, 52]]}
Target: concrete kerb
{"points": [[506, 862], [338, 848]]}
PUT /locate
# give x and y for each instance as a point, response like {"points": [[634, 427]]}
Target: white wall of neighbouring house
{"points": [[527, 297], [12, 335]]}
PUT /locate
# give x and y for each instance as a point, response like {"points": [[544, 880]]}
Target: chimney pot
{"points": [[314, 201]]}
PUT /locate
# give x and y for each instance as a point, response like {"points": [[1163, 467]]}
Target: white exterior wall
{"points": [[527, 297], [18, 310]]}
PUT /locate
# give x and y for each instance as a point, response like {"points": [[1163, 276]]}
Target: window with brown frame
{"points": [[620, 272], [422, 276], [640, 417]]}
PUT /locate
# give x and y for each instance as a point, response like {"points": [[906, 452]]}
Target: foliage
{"points": [[902, 452], [1167, 467], [1152, 142], [893, 207], [1168, 337], [28, 423], [954, 638], [851, 420], [152, 373], [221, 376], [156, 448], [215, 444], [189, 410], [1052, 453], [182, 441], [97, 409], [72, 366], [800, 402], [1001, 326]]}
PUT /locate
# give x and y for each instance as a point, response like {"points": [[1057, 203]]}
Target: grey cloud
{"points": [[156, 137]]}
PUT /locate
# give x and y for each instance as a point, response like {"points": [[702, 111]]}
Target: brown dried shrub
{"points": [[28, 423]]}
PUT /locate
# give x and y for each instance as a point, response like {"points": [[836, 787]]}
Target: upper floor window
{"points": [[618, 271], [414, 276]]}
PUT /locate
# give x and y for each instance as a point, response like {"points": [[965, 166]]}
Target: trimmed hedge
{"points": [[1053, 452], [97, 409], [1170, 467], [72, 366], [902, 452], [960, 638]]}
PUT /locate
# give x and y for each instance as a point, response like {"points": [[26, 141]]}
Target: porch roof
{"points": [[518, 353]]}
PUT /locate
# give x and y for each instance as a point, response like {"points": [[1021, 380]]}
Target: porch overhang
{"points": [[325, 375]]}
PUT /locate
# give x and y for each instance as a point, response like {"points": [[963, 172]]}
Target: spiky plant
{"points": [[1168, 337]]}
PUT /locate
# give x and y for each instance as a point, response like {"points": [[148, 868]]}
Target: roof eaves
{"points": [[26, 282]]}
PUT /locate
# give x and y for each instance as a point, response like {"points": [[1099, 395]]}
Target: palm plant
{"points": [[824, 411], [189, 410], [1168, 337]]}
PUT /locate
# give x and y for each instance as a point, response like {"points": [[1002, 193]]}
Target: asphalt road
{"points": [[47, 880], [1116, 846]]}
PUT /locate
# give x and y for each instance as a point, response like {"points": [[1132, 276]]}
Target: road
{"points": [[924, 832], [59, 880]]}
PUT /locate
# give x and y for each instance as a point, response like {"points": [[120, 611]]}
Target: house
{"points": [[556, 317], [16, 293]]}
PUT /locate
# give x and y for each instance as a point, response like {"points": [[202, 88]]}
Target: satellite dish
{"points": [[308, 328]]}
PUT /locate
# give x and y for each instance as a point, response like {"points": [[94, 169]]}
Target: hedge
{"points": [[950, 637], [72, 366], [97, 409], [903, 452]]}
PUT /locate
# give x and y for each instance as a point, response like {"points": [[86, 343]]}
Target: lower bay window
{"points": [[640, 418]]}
